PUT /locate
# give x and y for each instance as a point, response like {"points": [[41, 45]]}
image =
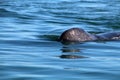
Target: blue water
{"points": [[29, 49]]}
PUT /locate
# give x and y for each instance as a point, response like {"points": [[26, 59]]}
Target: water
{"points": [[29, 49]]}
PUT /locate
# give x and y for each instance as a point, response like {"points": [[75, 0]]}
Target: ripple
{"points": [[7, 13], [29, 46]]}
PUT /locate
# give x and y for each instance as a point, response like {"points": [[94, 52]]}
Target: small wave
{"points": [[7, 13]]}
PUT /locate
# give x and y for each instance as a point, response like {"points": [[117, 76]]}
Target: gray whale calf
{"points": [[80, 35]]}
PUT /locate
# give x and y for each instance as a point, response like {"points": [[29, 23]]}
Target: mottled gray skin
{"points": [[79, 35]]}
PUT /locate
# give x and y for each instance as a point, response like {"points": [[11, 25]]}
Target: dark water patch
{"points": [[50, 37], [7, 13]]}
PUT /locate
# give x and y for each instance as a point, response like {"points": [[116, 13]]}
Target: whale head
{"points": [[76, 35]]}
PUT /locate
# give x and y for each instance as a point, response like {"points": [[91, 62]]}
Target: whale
{"points": [[80, 35]]}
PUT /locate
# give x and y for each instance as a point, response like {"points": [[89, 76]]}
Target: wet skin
{"points": [[80, 35]]}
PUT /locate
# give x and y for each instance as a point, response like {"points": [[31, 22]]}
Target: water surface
{"points": [[29, 49]]}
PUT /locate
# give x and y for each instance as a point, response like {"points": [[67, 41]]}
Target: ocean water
{"points": [[29, 49]]}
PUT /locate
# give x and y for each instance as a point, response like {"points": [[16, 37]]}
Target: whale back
{"points": [[76, 34], [109, 36]]}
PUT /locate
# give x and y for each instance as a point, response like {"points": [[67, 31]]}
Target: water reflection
{"points": [[70, 50], [70, 53], [71, 56]]}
